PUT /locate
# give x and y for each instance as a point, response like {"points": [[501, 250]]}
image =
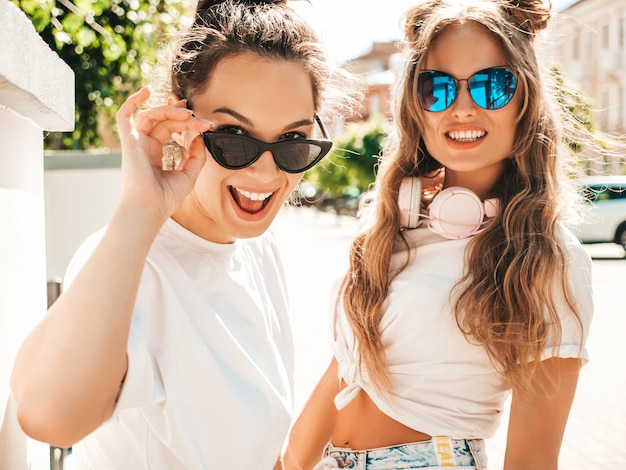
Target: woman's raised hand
{"points": [[142, 135]]}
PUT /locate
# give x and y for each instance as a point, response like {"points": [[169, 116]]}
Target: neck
{"points": [[482, 186]]}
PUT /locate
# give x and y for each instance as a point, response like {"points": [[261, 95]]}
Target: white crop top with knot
{"points": [[443, 384]]}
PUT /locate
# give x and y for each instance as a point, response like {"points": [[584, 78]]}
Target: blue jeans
{"points": [[437, 453]]}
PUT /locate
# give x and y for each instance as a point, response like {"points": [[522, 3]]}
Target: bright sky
{"points": [[349, 27]]}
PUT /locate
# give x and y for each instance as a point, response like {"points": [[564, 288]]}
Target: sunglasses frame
{"points": [[324, 146], [468, 80]]}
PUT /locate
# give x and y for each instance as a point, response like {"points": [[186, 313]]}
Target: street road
{"points": [[315, 249]]}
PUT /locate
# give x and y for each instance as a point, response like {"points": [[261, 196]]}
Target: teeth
{"points": [[253, 196], [466, 136]]}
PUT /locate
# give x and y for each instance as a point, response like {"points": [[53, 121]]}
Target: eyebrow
{"points": [[246, 121]]}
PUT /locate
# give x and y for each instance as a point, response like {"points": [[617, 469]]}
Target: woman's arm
{"points": [[314, 427], [68, 371], [537, 423]]}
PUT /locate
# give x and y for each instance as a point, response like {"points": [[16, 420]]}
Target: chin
{"points": [[252, 231]]}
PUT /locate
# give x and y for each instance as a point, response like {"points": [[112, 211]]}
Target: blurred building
{"points": [[591, 51], [378, 67]]}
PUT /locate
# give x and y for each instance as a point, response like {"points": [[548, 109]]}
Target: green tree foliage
{"points": [[593, 148], [353, 161], [111, 45], [577, 105]]}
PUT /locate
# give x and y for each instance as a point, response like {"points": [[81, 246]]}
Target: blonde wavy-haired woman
{"points": [[465, 288]]}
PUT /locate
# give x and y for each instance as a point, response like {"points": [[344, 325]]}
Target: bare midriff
{"points": [[361, 425]]}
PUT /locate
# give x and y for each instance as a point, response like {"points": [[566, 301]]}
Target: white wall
{"points": [[36, 94], [22, 262], [81, 191]]}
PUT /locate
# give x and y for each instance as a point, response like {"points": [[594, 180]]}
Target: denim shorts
{"points": [[437, 453]]}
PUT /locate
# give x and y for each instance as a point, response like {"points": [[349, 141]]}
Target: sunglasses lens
{"points": [[493, 88], [435, 90], [295, 157], [230, 151]]}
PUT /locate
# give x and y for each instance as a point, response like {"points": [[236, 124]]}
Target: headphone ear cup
{"points": [[409, 200], [456, 213]]}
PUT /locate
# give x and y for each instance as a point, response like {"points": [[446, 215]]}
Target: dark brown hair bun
{"points": [[531, 16], [206, 4]]}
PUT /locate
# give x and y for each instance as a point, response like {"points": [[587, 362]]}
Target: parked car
{"points": [[605, 215]]}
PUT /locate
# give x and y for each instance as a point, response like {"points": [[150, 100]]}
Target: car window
{"points": [[602, 192], [619, 192]]}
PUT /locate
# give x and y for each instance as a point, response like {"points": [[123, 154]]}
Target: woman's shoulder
{"points": [[572, 245], [566, 235]]}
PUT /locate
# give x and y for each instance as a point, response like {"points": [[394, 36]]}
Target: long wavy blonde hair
{"points": [[504, 300]]}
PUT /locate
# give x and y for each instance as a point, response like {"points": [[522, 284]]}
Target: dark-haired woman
{"points": [[466, 288], [171, 346]]}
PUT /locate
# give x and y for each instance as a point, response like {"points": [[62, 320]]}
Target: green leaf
{"points": [[72, 23], [85, 37]]}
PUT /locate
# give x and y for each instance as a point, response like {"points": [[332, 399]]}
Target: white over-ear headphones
{"points": [[454, 213]]}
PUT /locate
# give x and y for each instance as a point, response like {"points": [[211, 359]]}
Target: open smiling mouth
{"points": [[248, 201], [466, 136]]}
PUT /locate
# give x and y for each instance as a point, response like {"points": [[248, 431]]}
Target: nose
{"points": [[265, 168], [463, 105]]}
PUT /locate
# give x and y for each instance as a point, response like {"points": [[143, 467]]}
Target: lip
{"points": [[251, 205]]}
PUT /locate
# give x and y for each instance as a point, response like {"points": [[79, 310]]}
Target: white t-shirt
{"points": [[443, 384], [210, 376]]}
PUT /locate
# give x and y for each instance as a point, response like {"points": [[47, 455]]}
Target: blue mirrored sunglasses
{"points": [[234, 151], [491, 88]]}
